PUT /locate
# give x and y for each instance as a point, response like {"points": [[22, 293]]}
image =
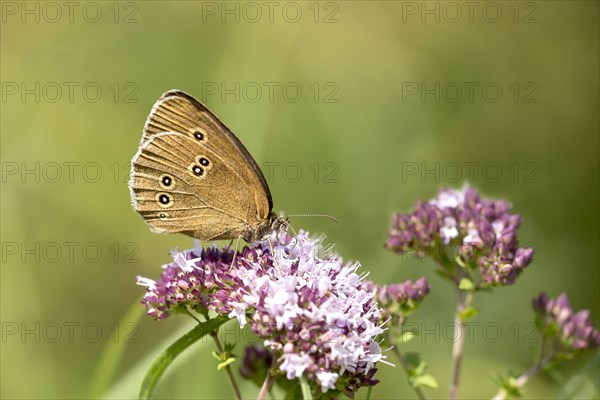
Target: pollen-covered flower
{"points": [[572, 332], [315, 314], [459, 225]]}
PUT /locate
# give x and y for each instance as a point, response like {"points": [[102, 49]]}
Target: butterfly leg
{"points": [[275, 262], [230, 243], [295, 235], [237, 245]]}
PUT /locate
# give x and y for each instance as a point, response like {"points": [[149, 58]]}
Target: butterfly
{"points": [[191, 175]]}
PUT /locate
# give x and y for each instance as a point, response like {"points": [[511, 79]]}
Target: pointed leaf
{"points": [[468, 313], [426, 380], [226, 363], [420, 369], [466, 284], [512, 387], [406, 337], [413, 359], [166, 358]]}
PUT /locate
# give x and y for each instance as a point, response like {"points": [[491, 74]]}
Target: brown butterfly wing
{"points": [[192, 175], [177, 111], [180, 185]]}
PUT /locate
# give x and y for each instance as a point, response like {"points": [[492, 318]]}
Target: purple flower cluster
{"points": [[315, 314], [481, 232], [194, 279], [399, 299], [572, 331]]}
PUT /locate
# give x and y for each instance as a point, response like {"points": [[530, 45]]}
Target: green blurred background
{"points": [[364, 105]]}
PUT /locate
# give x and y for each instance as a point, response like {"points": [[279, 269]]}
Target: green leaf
{"points": [[466, 284], [228, 347], [416, 366], [416, 371], [426, 380], [420, 369], [468, 312], [225, 363], [512, 388], [406, 337], [412, 359], [159, 366], [306, 394]]}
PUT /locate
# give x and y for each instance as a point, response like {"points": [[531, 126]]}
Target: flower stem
{"points": [[230, 375], [369, 393], [462, 301], [526, 376], [418, 390], [266, 386], [215, 337]]}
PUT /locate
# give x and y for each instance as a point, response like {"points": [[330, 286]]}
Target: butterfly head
{"points": [[279, 224], [273, 223]]}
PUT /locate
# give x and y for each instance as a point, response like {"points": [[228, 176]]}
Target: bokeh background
{"points": [[355, 109]]}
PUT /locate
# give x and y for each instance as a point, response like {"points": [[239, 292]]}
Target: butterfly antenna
{"points": [[314, 215], [293, 230]]}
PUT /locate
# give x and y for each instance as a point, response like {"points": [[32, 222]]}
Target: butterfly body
{"points": [[191, 175]]}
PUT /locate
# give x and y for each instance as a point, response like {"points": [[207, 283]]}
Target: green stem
{"points": [[165, 359], [189, 312], [266, 386], [418, 390], [526, 376], [230, 375], [463, 300], [215, 335]]}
